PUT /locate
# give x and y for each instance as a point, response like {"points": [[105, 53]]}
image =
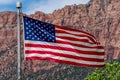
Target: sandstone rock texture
{"points": [[99, 17]]}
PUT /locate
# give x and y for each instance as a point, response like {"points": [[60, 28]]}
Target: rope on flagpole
{"points": [[18, 6]]}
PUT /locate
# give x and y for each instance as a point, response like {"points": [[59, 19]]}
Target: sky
{"points": [[30, 6]]}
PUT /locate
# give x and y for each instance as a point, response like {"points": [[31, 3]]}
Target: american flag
{"points": [[45, 41]]}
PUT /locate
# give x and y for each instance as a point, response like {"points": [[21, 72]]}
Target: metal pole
{"points": [[18, 6]]}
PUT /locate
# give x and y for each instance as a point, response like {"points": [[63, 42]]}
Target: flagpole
{"points": [[18, 6]]}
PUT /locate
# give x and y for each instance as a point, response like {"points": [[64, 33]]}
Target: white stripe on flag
{"points": [[72, 36], [78, 42], [75, 32], [64, 58], [66, 52], [65, 45]]}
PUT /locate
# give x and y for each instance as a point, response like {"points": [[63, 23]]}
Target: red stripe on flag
{"points": [[63, 55], [64, 48], [62, 61], [74, 39], [72, 29], [79, 45], [78, 35]]}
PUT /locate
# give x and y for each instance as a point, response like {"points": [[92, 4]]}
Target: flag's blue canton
{"points": [[38, 31]]}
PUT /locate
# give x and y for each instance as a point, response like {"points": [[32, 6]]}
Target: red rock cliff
{"points": [[99, 17]]}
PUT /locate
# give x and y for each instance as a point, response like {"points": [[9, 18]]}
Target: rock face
{"points": [[99, 17]]}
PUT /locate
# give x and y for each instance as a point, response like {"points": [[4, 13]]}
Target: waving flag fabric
{"points": [[45, 41]]}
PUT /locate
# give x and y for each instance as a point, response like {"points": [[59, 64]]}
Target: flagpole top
{"points": [[18, 5]]}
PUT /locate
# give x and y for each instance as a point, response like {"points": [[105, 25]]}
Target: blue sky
{"points": [[30, 6]]}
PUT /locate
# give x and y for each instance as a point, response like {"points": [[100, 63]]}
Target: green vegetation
{"points": [[111, 71]]}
